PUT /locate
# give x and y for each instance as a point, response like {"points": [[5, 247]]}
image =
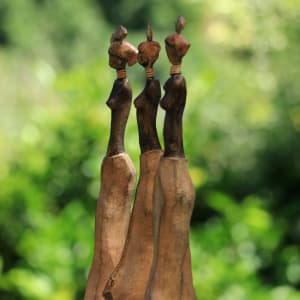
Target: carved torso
{"points": [[146, 109], [173, 103], [119, 102]]}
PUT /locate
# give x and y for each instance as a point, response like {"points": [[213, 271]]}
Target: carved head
{"points": [[120, 51], [148, 50], [176, 45]]}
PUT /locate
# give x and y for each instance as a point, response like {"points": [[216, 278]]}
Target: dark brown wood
{"points": [[174, 102], [119, 102], [130, 277], [147, 102], [112, 220], [148, 50], [176, 45], [120, 54], [146, 110]]}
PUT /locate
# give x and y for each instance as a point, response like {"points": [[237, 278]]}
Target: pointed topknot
{"points": [[176, 45], [121, 52], [119, 35], [180, 23], [149, 33]]}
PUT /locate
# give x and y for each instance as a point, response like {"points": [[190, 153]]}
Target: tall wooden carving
{"points": [[174, 193], [117, 174], [129, 279], [154, 262]]}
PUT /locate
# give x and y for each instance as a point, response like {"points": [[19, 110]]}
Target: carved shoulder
{"points": [[120, 94], [153, 90], [175, 93]]}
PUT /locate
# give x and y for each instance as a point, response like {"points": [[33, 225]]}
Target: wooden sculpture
{"points": [[174, 194], [130, 277], [117, 174]]}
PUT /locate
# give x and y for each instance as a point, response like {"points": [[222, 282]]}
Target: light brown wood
{"points": [[174, 197], [130, 278], [188, 291], [112, 219]]}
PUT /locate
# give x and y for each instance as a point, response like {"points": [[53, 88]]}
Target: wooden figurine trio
{"points": [[144, 254]]}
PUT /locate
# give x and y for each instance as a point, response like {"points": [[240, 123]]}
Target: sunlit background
{"points": [[241, 136]]}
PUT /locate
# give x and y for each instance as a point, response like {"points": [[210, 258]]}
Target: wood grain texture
{"points": [[147, 102], [119, 102], [112, 220], [174, 194], [146, 110], [173, 102], [130, 278], [117, 174], [173, 199]]}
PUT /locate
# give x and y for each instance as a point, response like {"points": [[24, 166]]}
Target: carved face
{"points": [[122, 53], [148, 53], [176, 47]]}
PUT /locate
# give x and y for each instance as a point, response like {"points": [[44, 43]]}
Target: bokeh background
{"points": [[241, 130]]}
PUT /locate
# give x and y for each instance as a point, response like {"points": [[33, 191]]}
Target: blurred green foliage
{"points": [[241, 127]]}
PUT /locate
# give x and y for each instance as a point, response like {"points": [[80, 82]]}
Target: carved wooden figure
{"points": [[130, 277], [117, 174], [171, 277]]}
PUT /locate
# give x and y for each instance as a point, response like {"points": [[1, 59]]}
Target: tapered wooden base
{"points": [[130, 278], [188, 290], [112, 220], [173, 204]]}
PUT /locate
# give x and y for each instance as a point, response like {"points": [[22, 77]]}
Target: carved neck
{"points": [[146, 110], [119, 102], [174, 102]]}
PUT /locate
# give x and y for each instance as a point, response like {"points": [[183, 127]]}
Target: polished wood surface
{"points": [[117, 175], [174, 194], [130, 277], [121, 53]]}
